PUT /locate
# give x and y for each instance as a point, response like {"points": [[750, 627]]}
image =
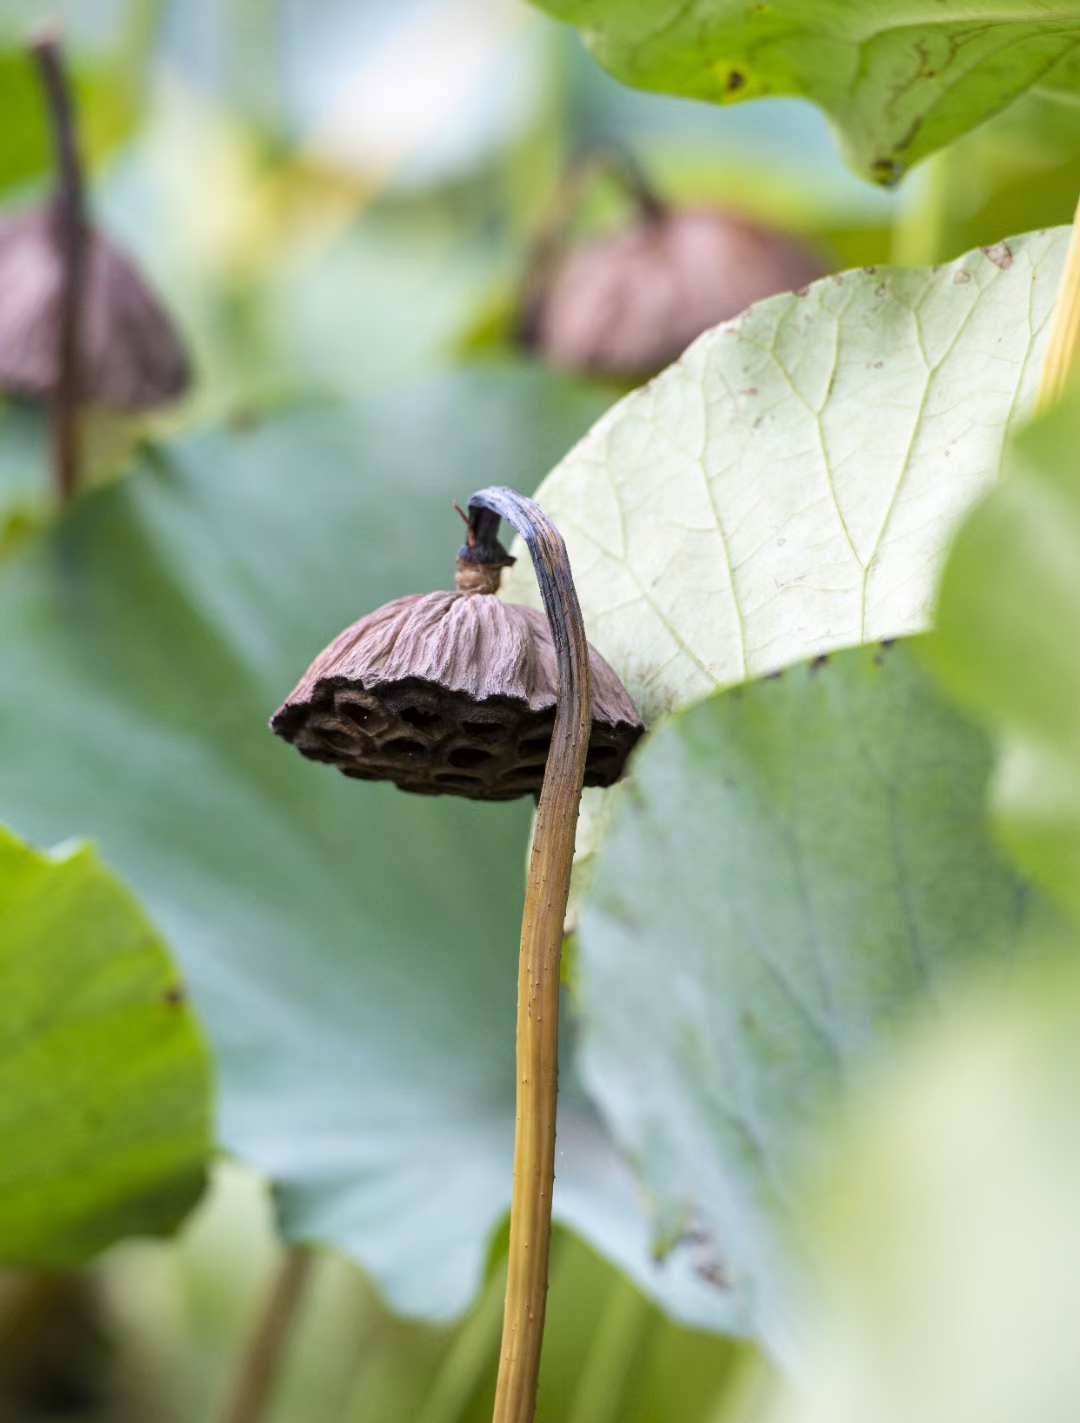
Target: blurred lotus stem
{"points": [[1061, 350], [263, 1358], [546, 247], [70, 223], [541, 947]]}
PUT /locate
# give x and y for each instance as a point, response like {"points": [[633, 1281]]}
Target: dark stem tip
{"points": [[46, 38], [483, 545]]}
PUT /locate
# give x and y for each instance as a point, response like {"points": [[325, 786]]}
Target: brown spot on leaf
{"points": [[961, 278], [735, 80], [174, 997], [705, 1256], [886, 171], [819, 662], [1000, 254]]}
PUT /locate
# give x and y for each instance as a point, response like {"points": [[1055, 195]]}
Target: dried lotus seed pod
{"points": [[77, 324], [630, 304], [130, 357], [451, 694]]}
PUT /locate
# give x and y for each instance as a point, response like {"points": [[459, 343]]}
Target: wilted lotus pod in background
{"points": [[451, 694], [77, 324], [129, 355], [631, 303]]}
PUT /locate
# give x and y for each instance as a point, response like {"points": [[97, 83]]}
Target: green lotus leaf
{"points": [[942, 1237], [352, 949], [898, 78], [789, 486], [105, 1080], [797, 867], [1008, 640]]}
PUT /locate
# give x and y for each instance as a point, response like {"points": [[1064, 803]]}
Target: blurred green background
{"points": [[336, 200]]}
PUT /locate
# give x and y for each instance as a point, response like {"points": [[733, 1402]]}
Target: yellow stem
{"points": [[1061, 350], [546, 892]]}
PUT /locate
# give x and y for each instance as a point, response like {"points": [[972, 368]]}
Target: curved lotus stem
{"points": [[541, 947]]}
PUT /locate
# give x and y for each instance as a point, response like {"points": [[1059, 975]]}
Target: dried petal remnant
{"points": [[450, 693], [130, 357]]}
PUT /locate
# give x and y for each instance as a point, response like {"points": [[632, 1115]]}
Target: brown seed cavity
{"points": [[450, 693]]}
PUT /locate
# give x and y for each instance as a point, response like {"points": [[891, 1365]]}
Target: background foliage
{"points": [[337, 203]]}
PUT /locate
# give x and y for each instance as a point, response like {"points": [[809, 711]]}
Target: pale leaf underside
{"points": [[788, 487]]}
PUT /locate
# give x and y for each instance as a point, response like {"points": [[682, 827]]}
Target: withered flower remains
{"points": [[77, 324], [628, 303], [451, 693], [631, 303], [129, 355]]}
